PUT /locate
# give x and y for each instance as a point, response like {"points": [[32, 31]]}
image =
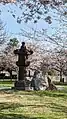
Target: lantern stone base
{"points": [[19, 85]]}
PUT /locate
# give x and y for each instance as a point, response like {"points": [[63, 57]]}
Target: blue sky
{"points": [[12, 27]]}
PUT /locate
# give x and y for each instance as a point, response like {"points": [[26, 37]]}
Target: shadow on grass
{"points": [[62, 94], [13, 106], [48, 93], [58, 108], [18, 116], [10, 107]]}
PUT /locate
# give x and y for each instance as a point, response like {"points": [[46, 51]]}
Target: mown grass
{"points": [[33, 104], [6, 83], [16, 104]]}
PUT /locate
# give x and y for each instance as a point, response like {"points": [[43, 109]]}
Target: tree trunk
{"points": [[61, 74], [10, 75]]}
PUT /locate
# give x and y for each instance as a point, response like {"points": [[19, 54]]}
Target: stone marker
{"points": [[51, 86]]}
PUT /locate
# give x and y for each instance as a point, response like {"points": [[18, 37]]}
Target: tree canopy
{"points": [[2, 33], [37, 9], [34, 10]]}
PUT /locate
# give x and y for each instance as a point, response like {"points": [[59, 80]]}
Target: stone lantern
{"points": [[22, 63]]}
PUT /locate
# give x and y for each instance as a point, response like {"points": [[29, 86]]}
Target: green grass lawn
{"points": [[33, 104], [6, 83]]}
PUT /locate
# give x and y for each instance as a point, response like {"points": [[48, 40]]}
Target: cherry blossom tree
{"points": [[56, 61]]}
